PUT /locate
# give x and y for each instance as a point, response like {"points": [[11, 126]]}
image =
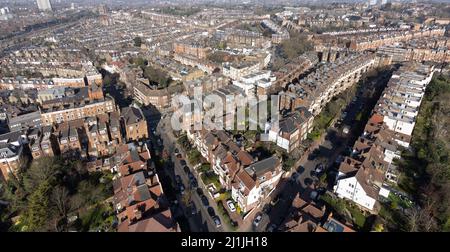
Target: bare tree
{"points": [[61, 200]]}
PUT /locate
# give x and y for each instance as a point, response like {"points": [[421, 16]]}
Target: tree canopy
{"points": [[50, 189]]}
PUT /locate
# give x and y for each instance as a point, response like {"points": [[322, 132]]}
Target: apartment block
{"points": [[76, 111], [159, 98], [317, 89], [135, 124], [11, 153], [292, 129]]}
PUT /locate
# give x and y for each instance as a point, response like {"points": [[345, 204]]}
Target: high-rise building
{"points": [[44, 5]]}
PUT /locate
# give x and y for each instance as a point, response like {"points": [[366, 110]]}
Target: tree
{"points": [[288, 163], [157, 76], [60, 200], [186, 198], [194, 156], [141, 62], [295, 46], [137, 41], [379, 227], [37, 214], [40, 171]]}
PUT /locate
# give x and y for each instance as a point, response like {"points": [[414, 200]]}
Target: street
{"points": [[200, 222], [326, 150]]}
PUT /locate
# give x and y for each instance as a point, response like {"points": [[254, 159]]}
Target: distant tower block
{"points": [[44, 5], [325, 55], [332, 56]]}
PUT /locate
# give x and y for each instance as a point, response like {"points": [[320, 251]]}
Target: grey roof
{"points": [[11, 136], [333, 226], [138, 178], [263, 166], [144, 193], [132, 115], [9, 149], [134, 155]]}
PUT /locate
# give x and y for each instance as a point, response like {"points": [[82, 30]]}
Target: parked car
{"points": [[231, 206], [204, 200], [257, 220], [176, 151], [314, 195], [182, 188], [186, 169], [183, 162], [178, 179], [346, 129], [199, 191], [319, 168], [339, 159], [193, 209], [211, 211], [272, 228], [194, 183], [217, 221], [191, 176], [294, 176], [267, 208]]}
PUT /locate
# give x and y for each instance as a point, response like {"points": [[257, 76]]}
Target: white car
{"points": [[257, 220], [231, 206]]}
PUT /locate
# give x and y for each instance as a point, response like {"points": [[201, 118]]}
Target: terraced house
{"points": [[387, 133], [249, 179]]}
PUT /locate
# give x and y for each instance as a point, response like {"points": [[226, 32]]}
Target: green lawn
{"points": [[211, 177], [99, 217], [340, 206]]}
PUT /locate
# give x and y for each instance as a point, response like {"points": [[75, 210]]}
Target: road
{"points": [[200, 222], [332, 144]]}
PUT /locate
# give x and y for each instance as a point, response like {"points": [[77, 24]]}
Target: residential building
{"points": [[291, 129], [317, 89], [387, 132], [159, 98], [24, 121], [251, 181], [140, 204], [41, 142], [74, 111], [44, 5], [135, 124], [11, 153]]}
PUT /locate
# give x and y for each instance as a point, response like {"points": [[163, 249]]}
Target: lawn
{"points": [[211, 177], [341, 207], [100, 217]]}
